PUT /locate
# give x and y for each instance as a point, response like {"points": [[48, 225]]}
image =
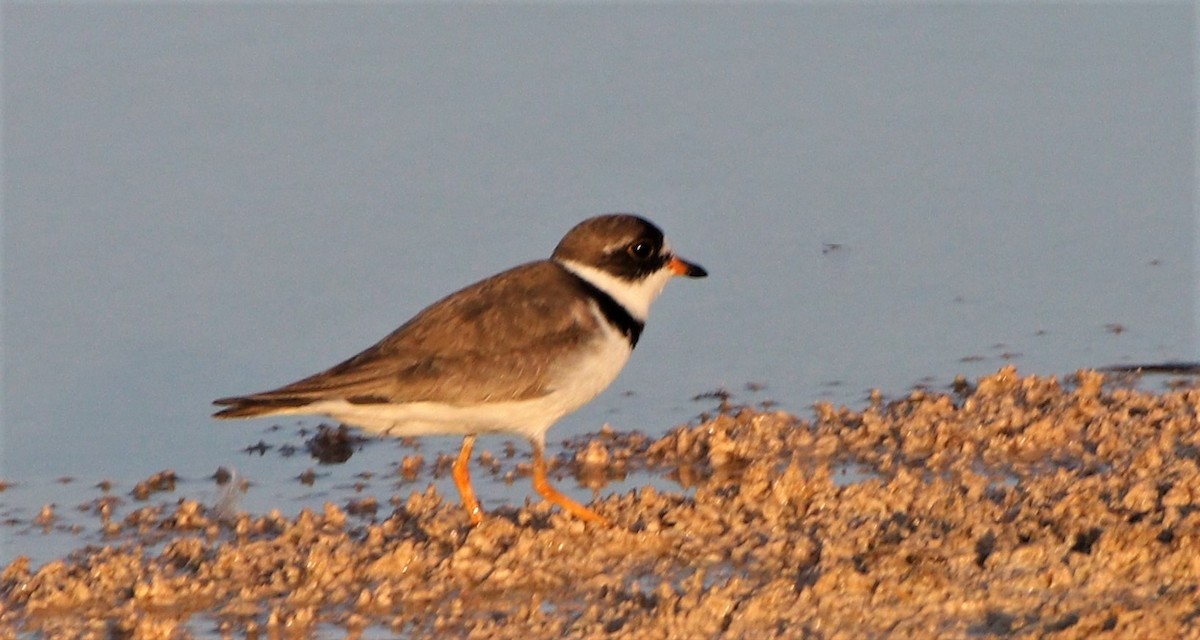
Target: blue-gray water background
{"points": [[210, 199]]}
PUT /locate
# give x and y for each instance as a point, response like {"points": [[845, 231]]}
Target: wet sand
{"points": [[1013, 507]]}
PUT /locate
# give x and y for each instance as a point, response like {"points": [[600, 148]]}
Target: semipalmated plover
{"points": [[509, 354]]}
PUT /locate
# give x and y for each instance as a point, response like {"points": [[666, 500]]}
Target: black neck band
{"points": [[616, 314]]}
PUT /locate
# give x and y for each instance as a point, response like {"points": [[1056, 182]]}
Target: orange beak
{"points": [[681, 267]]}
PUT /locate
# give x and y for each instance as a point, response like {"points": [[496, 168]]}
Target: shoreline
{"points": [[1015, 506]]}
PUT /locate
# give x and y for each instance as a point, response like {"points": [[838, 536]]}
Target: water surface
{"points": [[206, 200]]}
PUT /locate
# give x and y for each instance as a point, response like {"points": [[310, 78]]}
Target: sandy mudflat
{"points": [[1018, 507]]}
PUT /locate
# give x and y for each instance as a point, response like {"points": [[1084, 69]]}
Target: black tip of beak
{"points": [[681, 267]]}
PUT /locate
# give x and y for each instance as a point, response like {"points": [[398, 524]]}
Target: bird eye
{"points": [[641, 250]]}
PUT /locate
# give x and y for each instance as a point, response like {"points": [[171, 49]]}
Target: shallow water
{"points": [[204, 200]]}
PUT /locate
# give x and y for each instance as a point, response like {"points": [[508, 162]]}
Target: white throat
{"points": [[634, 296]]}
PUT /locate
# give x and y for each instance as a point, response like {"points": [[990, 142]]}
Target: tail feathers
{"points": [[253, 406]]}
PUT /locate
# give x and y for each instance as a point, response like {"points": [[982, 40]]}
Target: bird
{"points": [[510, 354]]}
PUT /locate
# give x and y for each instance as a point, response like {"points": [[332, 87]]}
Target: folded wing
{"points": [[461, 350]]}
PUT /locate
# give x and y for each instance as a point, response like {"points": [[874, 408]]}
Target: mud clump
{"points": [[1018, 506]]}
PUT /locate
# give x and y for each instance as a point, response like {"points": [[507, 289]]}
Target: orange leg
{"points": [[542, 485], [461, 472]]}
